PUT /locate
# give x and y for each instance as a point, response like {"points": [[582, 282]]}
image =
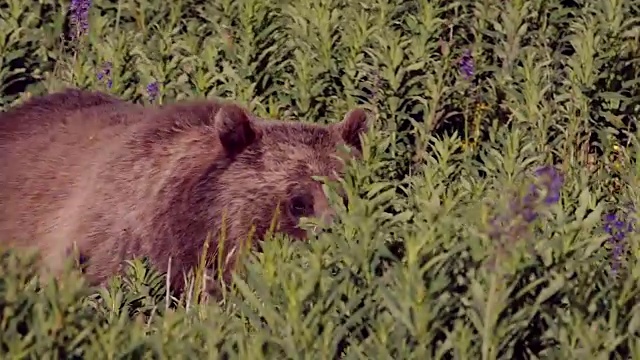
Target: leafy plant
{"points": [[490, 217]]}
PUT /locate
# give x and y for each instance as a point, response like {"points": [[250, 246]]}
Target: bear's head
{"points": [[276, 164]]}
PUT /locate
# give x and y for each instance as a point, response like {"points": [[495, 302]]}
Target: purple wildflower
{"points": [[551, 180], [618, 226], [467, 65], [548, 181], [152, 90], [105, 74], [524, 210], [79, 10]]}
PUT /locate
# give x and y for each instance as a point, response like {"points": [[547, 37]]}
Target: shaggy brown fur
{"points": [[121, 180]]}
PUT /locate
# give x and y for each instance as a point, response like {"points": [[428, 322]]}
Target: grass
{"points": [[491, 217]]}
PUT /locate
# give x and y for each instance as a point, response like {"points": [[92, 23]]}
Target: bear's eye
{"points": [[300, 205]]}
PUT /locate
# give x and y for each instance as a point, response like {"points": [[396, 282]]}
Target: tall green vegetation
{"points": [[493, 214]]}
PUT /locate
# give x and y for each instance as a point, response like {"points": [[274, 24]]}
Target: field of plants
{"points": [[492, 217]]}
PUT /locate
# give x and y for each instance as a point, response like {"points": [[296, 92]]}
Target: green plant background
{"points": [[409, 271]]}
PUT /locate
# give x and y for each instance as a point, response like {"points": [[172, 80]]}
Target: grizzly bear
{"points": [[112, 180]]}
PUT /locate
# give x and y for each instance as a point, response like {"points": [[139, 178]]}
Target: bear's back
{"points": [[40, 113], [46, 144]]}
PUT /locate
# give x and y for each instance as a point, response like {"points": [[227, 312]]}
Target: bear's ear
{"points": [[235, 128], [355, 122]]}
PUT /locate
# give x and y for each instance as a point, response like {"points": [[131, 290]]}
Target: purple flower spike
{"points": [[618, 226], [152, 90], [79, 17], [105, 74], [524, 210], [552, 181], [467, 65]]}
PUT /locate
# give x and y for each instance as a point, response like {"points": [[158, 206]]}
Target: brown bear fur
{"points": [[116, 180]]}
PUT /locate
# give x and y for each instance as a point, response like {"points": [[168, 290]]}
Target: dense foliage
{"points": [[492, 217]]}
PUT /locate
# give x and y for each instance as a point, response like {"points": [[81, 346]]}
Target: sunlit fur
{"points": [[122, 180]]}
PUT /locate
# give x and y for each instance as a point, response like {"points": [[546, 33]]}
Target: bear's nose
{"points": [[323, 209], [328, 216]]}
